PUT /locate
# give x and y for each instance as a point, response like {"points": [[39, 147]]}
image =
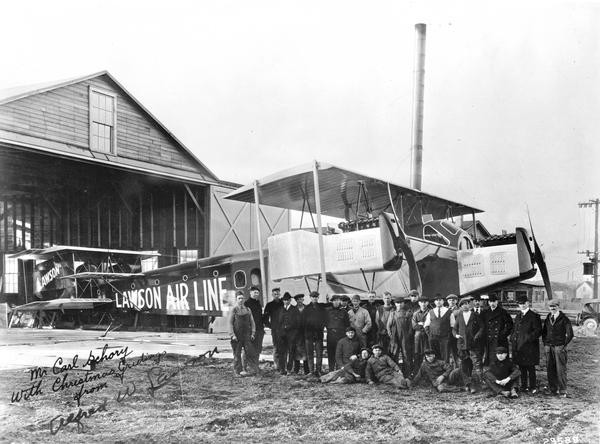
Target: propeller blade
{"points": [[401, 244], [539, 259]]}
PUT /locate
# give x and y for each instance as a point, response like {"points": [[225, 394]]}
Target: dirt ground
{"points": [[200, 400]]}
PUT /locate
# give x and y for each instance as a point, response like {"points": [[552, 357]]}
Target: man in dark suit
{"points": [[313, 323], [255, 306], [525, 343], [468, 331], [557, 332], [269, 318], [336, 321], [288, 323], [498, 327]]}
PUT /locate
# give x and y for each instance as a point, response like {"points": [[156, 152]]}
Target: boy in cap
{"points": [[557, 332], [360, 319], [439, 374], [502, 375], [525, 342], [383, 369], [347, 348]]}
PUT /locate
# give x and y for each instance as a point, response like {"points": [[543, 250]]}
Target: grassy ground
{"points": [[203, 402]]}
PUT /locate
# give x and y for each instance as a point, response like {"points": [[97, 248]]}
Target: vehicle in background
{"points": [[589, 317]]}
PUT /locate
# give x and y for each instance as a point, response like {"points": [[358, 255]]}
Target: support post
{"points": [[265, 286], [319, 227]]}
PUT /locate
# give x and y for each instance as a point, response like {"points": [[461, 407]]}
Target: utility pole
{"points": [[593, 256]]}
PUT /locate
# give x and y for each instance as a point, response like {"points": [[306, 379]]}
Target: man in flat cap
{"points": [[347, 348], [421, 340], [439, 374], [413, 296], [402, 335], [360, 319], [242, 330], [557, 332], [502, 375], [381, 320], [498, 327], [287, 331], [381, 368], [525, 344], [313, 323], [269, 319], [468, 331], [336, 322], [452, 301]]}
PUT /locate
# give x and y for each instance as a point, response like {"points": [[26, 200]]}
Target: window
{"points": [[187, 255], [239, 279], [11, 275], [102, 121]]}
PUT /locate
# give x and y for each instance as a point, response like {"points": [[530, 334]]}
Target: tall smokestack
{"points": [[418, 104]]}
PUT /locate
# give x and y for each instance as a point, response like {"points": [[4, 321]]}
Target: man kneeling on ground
{"points": [[439, 374], [383, 369], [502, 375]]}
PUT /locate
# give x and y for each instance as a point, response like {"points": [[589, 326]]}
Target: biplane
{"points": [[388, 238], [384, 237]]}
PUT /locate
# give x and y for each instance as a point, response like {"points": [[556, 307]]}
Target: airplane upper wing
{"points": [[63, 250], [339, 189], [63, 304]]}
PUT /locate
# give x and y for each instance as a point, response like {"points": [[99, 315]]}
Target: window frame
{"points": [[113, 137], [6, 273]]}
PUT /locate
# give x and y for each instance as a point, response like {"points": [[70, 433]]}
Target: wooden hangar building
{"points": [[83, 163]]}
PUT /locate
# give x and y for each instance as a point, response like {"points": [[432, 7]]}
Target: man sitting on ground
{"points": [[439, 374], [502, 375], [347, 348], [383, 369]]}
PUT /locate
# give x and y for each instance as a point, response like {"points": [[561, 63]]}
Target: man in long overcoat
{"points": [[525, 343], [498, 327]]}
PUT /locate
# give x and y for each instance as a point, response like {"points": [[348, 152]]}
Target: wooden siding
{"points": [[62, 115]]}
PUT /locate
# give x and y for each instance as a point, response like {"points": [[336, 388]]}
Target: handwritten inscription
{"points": [[159, 377], [92, 382], [60, 422]]}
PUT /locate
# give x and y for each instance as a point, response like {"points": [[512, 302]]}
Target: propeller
{"points": [[539, 259], [401, 244]]}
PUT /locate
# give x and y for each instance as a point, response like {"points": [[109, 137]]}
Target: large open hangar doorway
{"points": [[83, 163]]}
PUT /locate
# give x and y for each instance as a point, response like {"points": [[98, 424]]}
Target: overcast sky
{"points": [[512, 92]]}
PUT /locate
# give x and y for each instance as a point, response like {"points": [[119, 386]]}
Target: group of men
{"points": [[451, 345]]}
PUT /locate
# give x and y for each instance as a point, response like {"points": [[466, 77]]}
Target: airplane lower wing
{"points": [[101, 275], [63, 304]]}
